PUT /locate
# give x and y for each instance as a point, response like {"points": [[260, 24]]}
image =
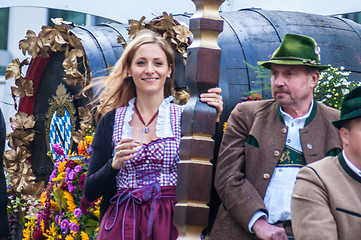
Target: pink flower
{"points": [[70, 164], [71, 175], [77, 212], [81, 181], [57, 218], [39, 235], [64, 224], [74, 227], [71, 188], [84, 205], [77, 169], [58, 150]]}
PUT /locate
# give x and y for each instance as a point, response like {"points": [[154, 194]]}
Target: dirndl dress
{"points": [[143, 207]]}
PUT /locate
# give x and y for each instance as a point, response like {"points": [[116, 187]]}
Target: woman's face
{"points": [[149, 69]]}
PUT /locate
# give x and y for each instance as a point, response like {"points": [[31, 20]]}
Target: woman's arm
{"points": [[100, 178]]}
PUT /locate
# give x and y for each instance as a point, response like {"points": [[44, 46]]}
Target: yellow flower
{"points": [[42, 226], [84, 236], [54, 205], [96, 213], [43, 198], [51, 232], [69, 237], [59, 177], [98, 201], [82, 148], [89, 140], [70, 201], [74, 220], [27, 233], [61, 167]]}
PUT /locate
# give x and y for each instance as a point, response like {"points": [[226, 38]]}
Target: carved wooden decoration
{"points": [[198, 122]]}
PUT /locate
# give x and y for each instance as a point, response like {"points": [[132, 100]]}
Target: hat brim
{"points": [[338, 123], [267, 64]]}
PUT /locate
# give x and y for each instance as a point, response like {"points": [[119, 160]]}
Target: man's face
{"points": [[291, 85], [351, 139]]}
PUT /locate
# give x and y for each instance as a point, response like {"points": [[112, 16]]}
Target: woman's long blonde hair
{"points": [[118, 88]]}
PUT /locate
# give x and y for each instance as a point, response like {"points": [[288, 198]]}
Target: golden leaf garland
{"points": [[22, 120], [24, 87], [22, 179], [30, 44], [48, 40], [86, 124], [72, 75], [176, 34], [13, 69], [15, 159], [21, 137], [181, 97], [135, 27]]}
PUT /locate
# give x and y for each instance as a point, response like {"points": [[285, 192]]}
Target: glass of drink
{"points": [[138, 135]]}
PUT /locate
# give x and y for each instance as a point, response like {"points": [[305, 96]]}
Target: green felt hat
{"points": [[350, 107], [296, 49]]}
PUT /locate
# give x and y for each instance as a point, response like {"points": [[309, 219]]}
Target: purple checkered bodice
{"points": [[156, 161]]}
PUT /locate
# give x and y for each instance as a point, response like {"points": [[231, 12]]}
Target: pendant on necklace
{"points": [[146, 129]]}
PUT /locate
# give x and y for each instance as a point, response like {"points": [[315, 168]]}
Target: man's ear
{"points": [[315, 78], [344, 134]]}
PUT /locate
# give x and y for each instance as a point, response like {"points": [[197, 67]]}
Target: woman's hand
{"points": [[124, 151], [213, 98]]}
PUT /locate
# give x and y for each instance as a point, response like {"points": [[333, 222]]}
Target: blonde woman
{"points": [[138, 183]]}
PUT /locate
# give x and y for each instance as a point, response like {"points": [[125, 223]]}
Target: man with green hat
{"points": [[326, 203], [267, 142]]}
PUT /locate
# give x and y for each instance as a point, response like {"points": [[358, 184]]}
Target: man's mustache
{"points": [[280, 90]]}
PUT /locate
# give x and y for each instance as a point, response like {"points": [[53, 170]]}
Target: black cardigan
{"points": [[100, 180]]}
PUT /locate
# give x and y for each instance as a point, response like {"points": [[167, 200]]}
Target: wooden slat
{"points": [[198, 122]]}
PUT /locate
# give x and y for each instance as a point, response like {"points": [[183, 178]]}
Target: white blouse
{"points": [[163, 127]]}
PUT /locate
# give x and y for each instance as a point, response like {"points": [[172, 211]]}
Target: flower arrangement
{"points": [[333, 86], [64, 213]]}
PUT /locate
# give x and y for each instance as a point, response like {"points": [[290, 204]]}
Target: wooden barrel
{"points": [[251, 35]]}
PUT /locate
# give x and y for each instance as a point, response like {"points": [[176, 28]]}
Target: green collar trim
{"points": [[280, 114], [313, 113], [347, 169], [308, 120]]}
